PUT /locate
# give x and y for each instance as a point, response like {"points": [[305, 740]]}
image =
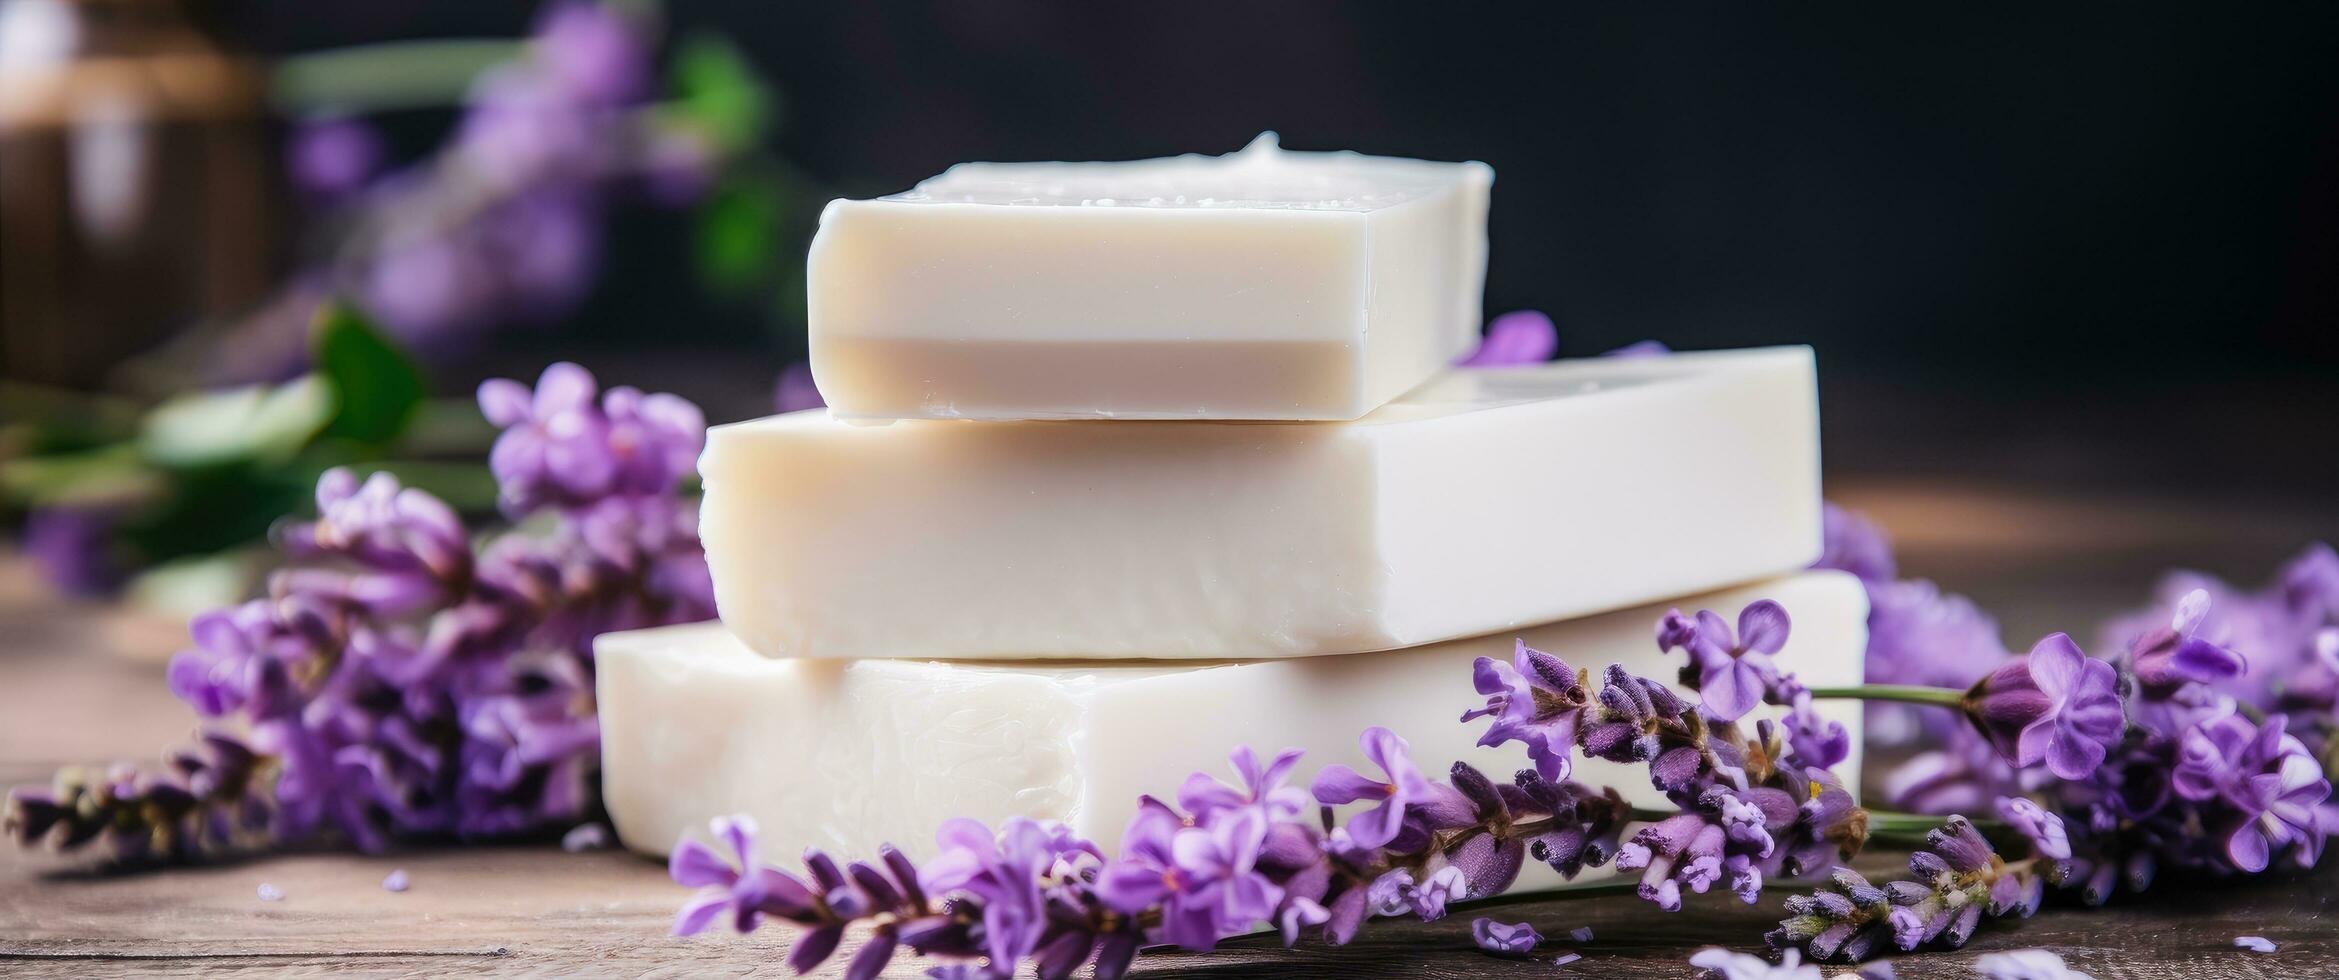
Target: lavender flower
{"points": [[397, 684], [1005, 871], [2026, 964], [73, 545], [1523, 337], [2044, 830], [553, 438], [796, 391], [2278, 793], [592, 53], [209, 798], [1726, 965], [1850, 542], [2054, 705], [1224, 887], [332, 157], [1502, 938], [1444, 885], [1537, 700], [1733, 670], [1640, 349], [1263, 786], [1403, 784], [1956, 879]]}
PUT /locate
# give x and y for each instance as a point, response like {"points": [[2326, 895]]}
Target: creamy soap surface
{"points": [[1264, 284], [849, 755], [1485, 500]]}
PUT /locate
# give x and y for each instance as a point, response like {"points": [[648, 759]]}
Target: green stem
{"points": [[390, 75], [1946, 697]]}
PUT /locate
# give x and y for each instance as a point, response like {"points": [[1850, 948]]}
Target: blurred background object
{"points": [[135, 183], [2084, 249]]}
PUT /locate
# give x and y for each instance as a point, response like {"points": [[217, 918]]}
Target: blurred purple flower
{"points": [[1523, 337], [593, 53], [1853, 543], [73, 545], [1726, 965], [332, 157], [1640, 349], [796, 391], [547, 247], [425, 290], [523, 131], [2025, 964]]}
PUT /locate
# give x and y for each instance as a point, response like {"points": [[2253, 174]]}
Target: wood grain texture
{"points": [[77, 684]]}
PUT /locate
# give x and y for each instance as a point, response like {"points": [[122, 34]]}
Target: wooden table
{"points": [[83, 683]]}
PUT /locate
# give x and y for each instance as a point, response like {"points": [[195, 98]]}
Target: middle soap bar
{"points": [[847, 755], [1485, 500]]}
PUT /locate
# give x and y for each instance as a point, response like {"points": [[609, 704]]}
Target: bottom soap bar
{"points": [[846, 755]]}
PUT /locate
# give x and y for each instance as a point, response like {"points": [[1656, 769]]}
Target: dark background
{"points": [[2096, 243]]}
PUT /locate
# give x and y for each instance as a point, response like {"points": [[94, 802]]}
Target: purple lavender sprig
{"points": [[2204, 744], [397, 684], [1234, 859], [1956, 880]]}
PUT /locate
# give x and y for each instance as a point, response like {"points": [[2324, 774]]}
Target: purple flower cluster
{"points": [[1917, 634], [1957, 879], [2203, 744], [504, 224], [1226, 859], [1521, 337], [396, 684], [2102, 770], [563, 448]]}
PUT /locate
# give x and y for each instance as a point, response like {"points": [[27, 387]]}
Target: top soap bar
{"points": [[1264, 284]]}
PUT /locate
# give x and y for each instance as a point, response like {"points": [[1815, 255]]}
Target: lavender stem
{"points": [[1945, 697]]}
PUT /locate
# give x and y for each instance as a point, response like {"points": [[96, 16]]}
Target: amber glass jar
{"points": [[135, 183]]}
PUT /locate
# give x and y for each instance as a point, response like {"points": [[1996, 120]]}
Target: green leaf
{"points": [[738, 235], [378, 385], [716, 88], [263, 423]]}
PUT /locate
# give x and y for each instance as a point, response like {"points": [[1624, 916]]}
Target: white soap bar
{"points": [[847, 755], [1486, 500], [1262, 284]]}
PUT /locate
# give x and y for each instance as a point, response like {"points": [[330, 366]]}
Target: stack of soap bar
{"points": [[1263, 284], [1487, 500], [847, 755]]}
